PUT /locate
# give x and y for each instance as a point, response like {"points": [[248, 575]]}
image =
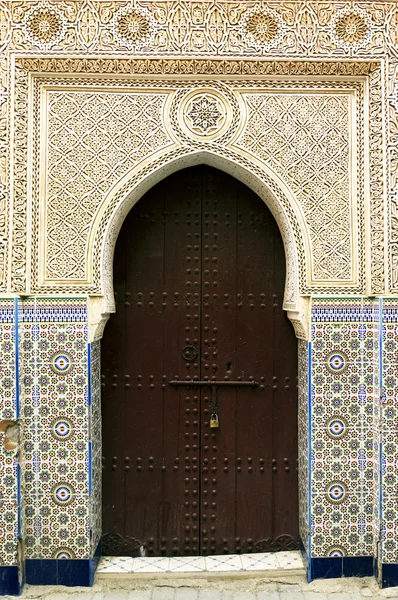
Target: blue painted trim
{"points": [[19, 501], [342, 566], [65, 571], [90, 468], [10, 584], [16, 357], [89, 372], [309, 391], [389, 575], [69, 572], [17, 408], [381, 387]]}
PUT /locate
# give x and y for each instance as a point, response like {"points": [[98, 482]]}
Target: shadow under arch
{"points": [[280, 201]]}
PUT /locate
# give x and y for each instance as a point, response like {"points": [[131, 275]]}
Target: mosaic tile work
{"points": [[303, 441], [389, 505], [95, 481], [9, 458], [344, 420], [56, 453]]}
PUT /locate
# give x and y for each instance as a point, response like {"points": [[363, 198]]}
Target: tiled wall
{"points": [[95, 445], [50, 490], [344, 407], [303, 414], [9, 459], [389, 440], [55, 411]]}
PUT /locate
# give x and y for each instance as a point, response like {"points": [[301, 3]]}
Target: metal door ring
{"points": [[189, 352]]}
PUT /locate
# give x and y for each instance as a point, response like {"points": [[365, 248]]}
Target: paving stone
{"points": [[291, 595], [314, 596], [163, 593], [290, 589], [115, 595], [244, 596], [265, 595], [340, 596], [209, 595], [185, 594], [140, 595]]}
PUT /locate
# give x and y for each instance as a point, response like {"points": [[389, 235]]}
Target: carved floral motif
{"points": [[208, 33], [351, 28], [262, 28], [133, 27], [204, 114], [44, 26]]}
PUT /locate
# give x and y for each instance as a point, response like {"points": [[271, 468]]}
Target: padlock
{"points": [[214, 422]]}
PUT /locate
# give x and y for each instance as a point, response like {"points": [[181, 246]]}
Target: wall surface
{"points": [[99, 101]]}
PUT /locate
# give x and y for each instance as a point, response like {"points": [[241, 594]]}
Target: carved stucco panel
{"points": [[326, 74], [305, 138], [91, 139], [227, 27]]}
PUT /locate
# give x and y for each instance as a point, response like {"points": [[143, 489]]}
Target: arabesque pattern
{"points": [[93, 139], [305, 139], [344, 407]]}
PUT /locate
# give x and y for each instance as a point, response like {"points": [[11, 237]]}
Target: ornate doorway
{"points": [[199, 376]]}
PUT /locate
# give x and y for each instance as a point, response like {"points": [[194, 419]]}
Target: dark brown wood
{"points": [[198, 275]]}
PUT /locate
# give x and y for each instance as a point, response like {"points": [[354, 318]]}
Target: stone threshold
{"points": [[267, 565]]}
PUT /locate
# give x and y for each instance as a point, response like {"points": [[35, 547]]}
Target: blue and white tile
{"points": [[231, 562], [289, 560], [187, 564], [259, 562], [151, 564], [116, 564]]}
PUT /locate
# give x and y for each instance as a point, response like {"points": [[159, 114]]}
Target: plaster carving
{"points": [[93, 138], [220, 38]]}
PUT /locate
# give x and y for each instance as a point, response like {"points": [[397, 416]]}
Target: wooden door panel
{"points": [[199, 268]]}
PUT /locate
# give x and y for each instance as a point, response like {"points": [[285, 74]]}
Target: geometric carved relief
{"points": [[93, 138], [223, 38], [305, 138]]}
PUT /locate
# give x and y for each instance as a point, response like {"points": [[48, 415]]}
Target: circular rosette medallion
{"points": [[63, 553], [336, 492], [337, 428], [336, 362], [62, 429], [61, 363], [336, 552], [204, 114], [63, 494]]}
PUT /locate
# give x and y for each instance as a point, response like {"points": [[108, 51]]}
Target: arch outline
{"points": [[263, 181]]}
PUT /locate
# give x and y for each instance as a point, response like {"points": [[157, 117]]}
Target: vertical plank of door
{"points": [[219, 359], [254, 315], [181, 417], [285, 409], [113, 412], [143, 349]]}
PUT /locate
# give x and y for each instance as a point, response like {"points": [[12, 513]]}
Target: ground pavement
{"points": [[210, 588]]}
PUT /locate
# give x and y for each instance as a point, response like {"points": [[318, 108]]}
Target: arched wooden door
{"points": [[199, 274]]}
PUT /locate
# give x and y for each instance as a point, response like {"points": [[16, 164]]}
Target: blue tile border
{"points": [[389, 575], [68, 572], [342, 566], [309, 434], [10, 583]]}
